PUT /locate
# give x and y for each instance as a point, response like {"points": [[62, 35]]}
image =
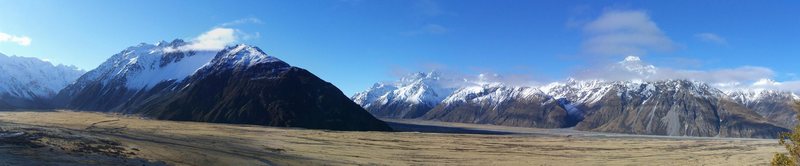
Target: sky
{"points": [[355, 43]]}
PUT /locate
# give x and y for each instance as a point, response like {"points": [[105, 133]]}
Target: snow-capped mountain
{"points": [[669, 107], [239, 84], [378, 90], [502, 105], [133, 70], [639, 105], [673, 107], [491, 94], [30, 82], [410, 97], [755, 96], [145, 65], [777, 106], [415, 94], [573, 94]]}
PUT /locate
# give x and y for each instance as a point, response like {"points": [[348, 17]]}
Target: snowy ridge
{"points": [[31, 78], [146, 65], [570, 94], [492, 94], [245, 56], [753, 96], [377, 91], [577, 97], [152, 74], [425, 88], [417, 88], [588, 91]]}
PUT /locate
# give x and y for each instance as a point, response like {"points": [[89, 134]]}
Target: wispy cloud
{"points": [[793, 85], [747, 77], [215, 39], [711, 38], [578, 16], [426, 10], [431, 29], [429, 8], [220, 36], [19, 40], [621, 32], [633, 68], [249, 20]]}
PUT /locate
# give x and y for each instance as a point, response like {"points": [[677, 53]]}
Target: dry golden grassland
{"points": [[189, 143]]}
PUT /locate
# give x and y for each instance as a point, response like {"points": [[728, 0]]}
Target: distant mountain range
{"points": [[668, 107], [31, 83], [239, 84]]}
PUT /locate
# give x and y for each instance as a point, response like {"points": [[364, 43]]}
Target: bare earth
{"points": [[82, 138]]}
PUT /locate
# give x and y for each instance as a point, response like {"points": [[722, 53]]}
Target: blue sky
{"points": [[355, 43]]}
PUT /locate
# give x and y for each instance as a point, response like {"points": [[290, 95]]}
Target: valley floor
{"points": [[82, 138]]}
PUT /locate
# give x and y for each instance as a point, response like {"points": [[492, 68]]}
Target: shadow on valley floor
{"points": [[423, 128]]}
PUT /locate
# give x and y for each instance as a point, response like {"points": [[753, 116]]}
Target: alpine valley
{"points": [[651, 107]]}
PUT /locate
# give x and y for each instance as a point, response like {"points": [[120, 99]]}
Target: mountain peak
{"points": [[245, 55]]}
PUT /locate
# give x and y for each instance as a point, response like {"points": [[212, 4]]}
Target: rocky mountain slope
{"points": [[502, 105], [776, 106], [240, 84], [30, 82], [675, 108]]}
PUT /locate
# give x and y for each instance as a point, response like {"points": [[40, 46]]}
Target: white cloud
{"points": [[768, 84], [711, 38], [215, 39], [634, 68], [250, 20], [623, 33], [739, 74], [749, 77], [20, 40]]}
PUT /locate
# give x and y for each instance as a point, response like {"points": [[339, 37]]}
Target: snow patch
{"points": [[153, 74]]}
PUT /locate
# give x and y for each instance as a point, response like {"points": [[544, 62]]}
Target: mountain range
{"points": [[657, 107], [239, 84]]}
